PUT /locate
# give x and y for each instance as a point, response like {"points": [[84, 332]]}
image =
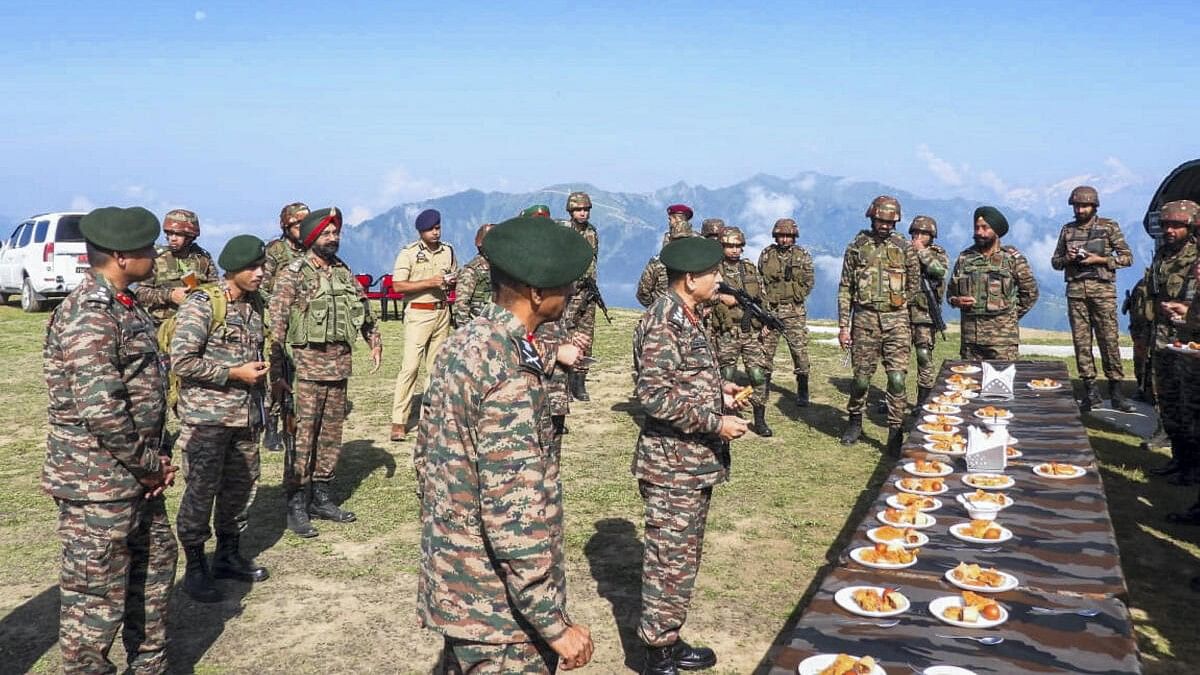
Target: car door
{"points": [[10, 259]]}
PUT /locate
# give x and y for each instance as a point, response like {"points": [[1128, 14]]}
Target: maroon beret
{"points": [[680, 208]]}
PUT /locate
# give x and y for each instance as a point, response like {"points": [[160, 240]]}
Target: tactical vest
{"points": [[482, 294], [992, 284], [938, 286], [329, 309], [880, 279], [781, 275], [1169, 278], [169, 270], [743, 275], [1093, 239]]}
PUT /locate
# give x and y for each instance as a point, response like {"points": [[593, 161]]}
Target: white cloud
{"points": [[82, 203], [200, 15], [396, 187], [828, 269], [1038, 252], [944, 170], [358, 214], [805, 183], [763, 208]]}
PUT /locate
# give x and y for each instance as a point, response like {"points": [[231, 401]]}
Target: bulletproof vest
{"points": [[482, 294], [880, 279], [169, 270], [744, 276], [1092, 239], [938, 286], [781, 276], [992, 284], [333, 311]]}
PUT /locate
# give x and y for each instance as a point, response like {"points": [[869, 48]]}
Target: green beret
{"points": [[315, 223], [691, 254], [537, 252], [241, 252], [992, 216], [116, 229]]}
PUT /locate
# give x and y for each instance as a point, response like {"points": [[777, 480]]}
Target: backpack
{"points": [[166, 331]]}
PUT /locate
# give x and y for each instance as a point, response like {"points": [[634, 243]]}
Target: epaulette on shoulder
{"points": [[99, 296], [160, 250], [1012, 250], [296, 264], [677, 318]]}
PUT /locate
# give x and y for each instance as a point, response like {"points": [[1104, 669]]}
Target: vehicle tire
{"points": [[29, 299]]}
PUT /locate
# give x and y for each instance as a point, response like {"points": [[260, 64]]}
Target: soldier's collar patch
{"points": [[531, 360], [126, 299]]}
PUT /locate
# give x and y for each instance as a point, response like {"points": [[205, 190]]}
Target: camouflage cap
{"points": [[315, 223], [682, 209], [711, 227], [693, 254], [578, 200], [924, 224], [113, 228], [995, 220], [786, 227], [182, 221], [884, 207], [1084, 194], [679, 230], [241, 252], [733, 236], [536, 211], [292, 213], [1184, 211], [537, 251], [482, 232]]}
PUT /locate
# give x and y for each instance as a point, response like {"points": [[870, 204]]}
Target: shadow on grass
{"points": [[614, 555], [29, 631]]}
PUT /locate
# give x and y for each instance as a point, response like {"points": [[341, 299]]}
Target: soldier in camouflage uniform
{"points": [[653, 282], [493, 569], [1141, 326], [881, 275], [474, 290], [317, 309], [104, 464], [1090, 250], [1170, 289], [682, 450], [738, 336], [787, 275], [934, 265], [220, 365], [1189, 364], [994, 287], [711, 228], [581, 314], [182, 260], [285, 248]]}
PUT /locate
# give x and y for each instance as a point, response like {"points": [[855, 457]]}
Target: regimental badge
{"points": [[421, 257], [531, 360]]}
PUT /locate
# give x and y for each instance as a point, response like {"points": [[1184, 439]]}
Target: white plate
{"points": [[1184, 349], [1054, 388], [931, 429], [911, 467], [894, 502], [966, 497], [925, 520], [813, 665], [938, 605], [967, 393], [1009, 416], [965, 370], [901, 488], [931, 447], [1014, 454], [922, 539], [957, 532], [1009, 482], [1010, 582], [941, 409], [1012, 440], [1080, 471], [946, 670], [949, 419], [845, 599], [938, 400], [856, 554]]}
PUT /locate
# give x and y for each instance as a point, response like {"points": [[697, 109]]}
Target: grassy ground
{"points": [[344, 602]]}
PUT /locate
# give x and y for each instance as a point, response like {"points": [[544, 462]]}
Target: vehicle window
{"points": [[26, 234], [16, 235], [39, 232], [68, 229]]}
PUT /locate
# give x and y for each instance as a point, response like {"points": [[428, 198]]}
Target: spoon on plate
{"points": [[1046, 611], [986, 640], [877, 624]]}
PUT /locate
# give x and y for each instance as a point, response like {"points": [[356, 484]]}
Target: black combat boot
{"points": [[1091, 396], [560, 424], [1174, 465], [922, 398], [760, 421], [1118, 398], [323, 507], [578, 385], [660, 661], [687, 657], [802, 390], [297, 514], [228, 563], [853, 430], [895, 441], [197, 582]]}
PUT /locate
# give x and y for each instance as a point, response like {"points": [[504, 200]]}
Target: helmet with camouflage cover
{"points": [[679, 230], [1084, 194], [578, 200], [732, 236], [924, 224], [785, 227], [711, 227], [292, 214], [181, 221], [1183, 211], [884, 207]]}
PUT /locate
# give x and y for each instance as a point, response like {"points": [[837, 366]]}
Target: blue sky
{"points": [[233, 109]]}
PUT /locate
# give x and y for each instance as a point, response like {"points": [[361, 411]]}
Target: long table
{"points": [[1064, 554]]}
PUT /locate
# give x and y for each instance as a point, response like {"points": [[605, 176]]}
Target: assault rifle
{"points": [[935, 307], [591, 293], [752, 310]]}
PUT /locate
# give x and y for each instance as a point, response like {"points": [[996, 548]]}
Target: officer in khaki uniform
{"points": [[787, 276], [425, 272], [180, 265]]}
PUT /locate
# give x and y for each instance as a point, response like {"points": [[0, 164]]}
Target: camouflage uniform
{"points": [[787, 275], [1169, 279], [1005, 290], [1141, 328], [678, 459], [492, 556], [581, 318], [473, 292], [107, 404], [281, 251], [737, 335], [169, 269], [935, 262], [653, 282]]}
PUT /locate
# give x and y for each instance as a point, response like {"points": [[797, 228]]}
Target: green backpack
{"points": [[166, 331]]}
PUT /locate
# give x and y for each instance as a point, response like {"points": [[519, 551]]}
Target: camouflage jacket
{"points": [[473, 292], [492, 559], [1169, 278], [155, 293], [1004, 289], [879, 274], [281, 251], [321, 362], [653, 283], [107, 390], [547, 338], [742, 275], [202, 357], [787, 274], [1102, 237], [589, 232], [934, 264], [678, 383]]}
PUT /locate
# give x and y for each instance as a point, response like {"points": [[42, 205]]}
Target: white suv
{"points": [[44, 258]]}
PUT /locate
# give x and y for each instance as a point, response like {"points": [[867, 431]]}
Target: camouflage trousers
{"points": [[118, 565], [463, 657], [1168, 394], [674, 539], [223, 467], [736, 343], [795, 324], [558, 393], [923, 339], [320, 413], [1095, 315], [584, 322], [975, 352], [875, 337], [1189, 403]]}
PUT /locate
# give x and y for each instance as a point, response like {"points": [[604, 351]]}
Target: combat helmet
{"points": [[732, 236], [1183, 211], [680, 230], [578, 200], [1084, 194], [181, 221], [884, 207], [785, 227], [292, 214], [711, 227], [924, 224]]}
